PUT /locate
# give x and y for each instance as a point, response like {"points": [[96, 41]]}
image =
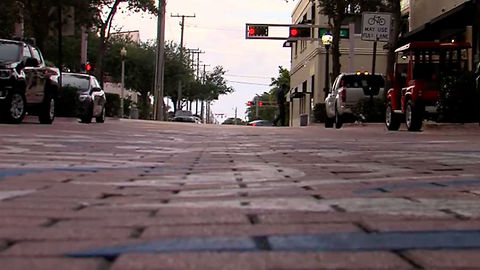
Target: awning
{"points": [[444, 26]]}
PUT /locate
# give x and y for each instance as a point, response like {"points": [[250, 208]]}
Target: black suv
{"points": [[26, 83]]}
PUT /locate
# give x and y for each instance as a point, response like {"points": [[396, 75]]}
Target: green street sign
{"points": [[344, 33]]}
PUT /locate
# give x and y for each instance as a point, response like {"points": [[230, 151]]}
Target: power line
{"points": [[212, 28], [247, 76], [249, 83]]}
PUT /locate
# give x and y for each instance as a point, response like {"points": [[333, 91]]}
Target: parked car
{"points": [[27, 85], [260, 123], [348, 89], [90, 96]]}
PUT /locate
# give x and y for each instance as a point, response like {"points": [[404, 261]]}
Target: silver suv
{"points": [[348, 89]]}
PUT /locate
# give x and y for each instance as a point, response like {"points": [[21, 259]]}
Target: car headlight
{"points": [[83, 98], [5, 73]]}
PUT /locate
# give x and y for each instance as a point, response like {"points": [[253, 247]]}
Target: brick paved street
{"points": [[128, 195]]}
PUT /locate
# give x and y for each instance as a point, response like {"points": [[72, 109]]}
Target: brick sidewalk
{"points": [[147, 195]]}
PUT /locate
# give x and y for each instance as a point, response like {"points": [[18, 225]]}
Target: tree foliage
{"points": [[269, 111]]}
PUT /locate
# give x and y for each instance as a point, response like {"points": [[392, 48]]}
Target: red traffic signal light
{"points": [[257, 31], [297, 32], [249, 104], [260, 104], [89, 67]]}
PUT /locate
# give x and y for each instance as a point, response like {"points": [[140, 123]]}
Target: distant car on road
{"points": [[348, 89], [260, 123], [26, 83], [90, 96], [187, 119]]}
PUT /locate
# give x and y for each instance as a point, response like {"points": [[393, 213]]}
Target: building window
{"points": [[313, 13], [303, 45], [312, 85]]}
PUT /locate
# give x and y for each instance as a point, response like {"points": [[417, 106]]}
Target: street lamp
{"points": [[123, 53], [327, 39]]}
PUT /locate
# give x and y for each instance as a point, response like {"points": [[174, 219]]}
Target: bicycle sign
{"points": [[376, 26]]}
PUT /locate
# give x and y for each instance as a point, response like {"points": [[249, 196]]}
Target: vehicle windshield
{"points": [[361, 81], [428, 64], [10, 52], [82, 83]]}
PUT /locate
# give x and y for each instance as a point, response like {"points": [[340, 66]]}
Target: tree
{"points": [[282, 81], [139, 69], [8, 17], [176, 69], [105, 12], [216, 84], [269, 111]]}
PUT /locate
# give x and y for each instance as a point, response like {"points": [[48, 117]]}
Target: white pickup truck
{"points": [[348, 89]]}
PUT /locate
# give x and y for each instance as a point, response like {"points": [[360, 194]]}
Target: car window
{"points": [[361, 81], [335, 85], [36, 55], [9, 52], [26, 52], [76, 81], [95, 83]]}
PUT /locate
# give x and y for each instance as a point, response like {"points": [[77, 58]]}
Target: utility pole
{"points": [[198, 61], [83, 48], [204, 77], [182, 24], [158, 112], [236, 116]]}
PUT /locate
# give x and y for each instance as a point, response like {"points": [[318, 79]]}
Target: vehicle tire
{"points": [[392, 121], [413, 116], [101, 117], [329, 122], [338, 120], [15, 110], [47, 110], [87, 117]]}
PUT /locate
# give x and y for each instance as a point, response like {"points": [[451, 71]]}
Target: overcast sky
{"points": [[219, 30]]}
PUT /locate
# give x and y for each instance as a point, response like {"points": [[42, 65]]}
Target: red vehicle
{"points": [[416, 83]]}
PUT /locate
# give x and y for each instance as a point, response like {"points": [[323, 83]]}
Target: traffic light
{"points": [[89, 67], [249, 104], [257, 31], [298, 32], [260, 104]]}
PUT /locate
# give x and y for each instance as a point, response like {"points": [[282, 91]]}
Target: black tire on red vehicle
{"points": [[392, 120], [413, 116], [47, 110], [15, 108]]}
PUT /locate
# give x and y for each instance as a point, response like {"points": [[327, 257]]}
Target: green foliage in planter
{"points": [[459, 98]]}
